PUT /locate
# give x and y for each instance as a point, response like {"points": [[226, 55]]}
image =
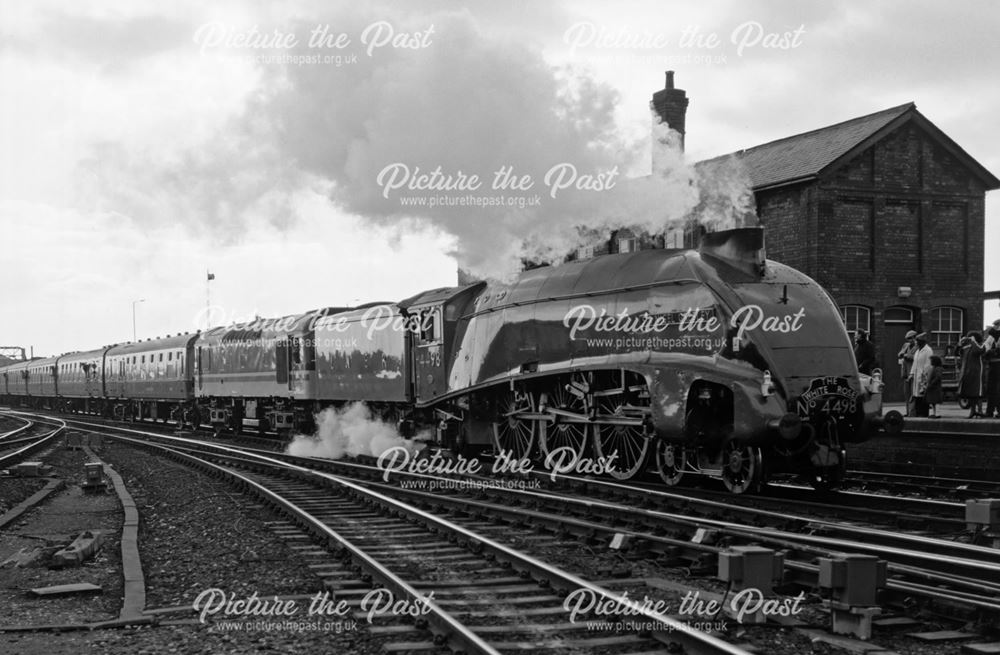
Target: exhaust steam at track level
{"points": [[351, 431]]}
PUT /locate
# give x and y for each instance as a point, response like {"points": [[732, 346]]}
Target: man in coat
{"points": [[864, 353], [905, 359]]}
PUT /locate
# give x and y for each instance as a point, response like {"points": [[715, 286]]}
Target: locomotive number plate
{"points": [[830, 395]]}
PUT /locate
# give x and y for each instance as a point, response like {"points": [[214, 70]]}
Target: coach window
{"points": [[946, 326], [856, 317]]}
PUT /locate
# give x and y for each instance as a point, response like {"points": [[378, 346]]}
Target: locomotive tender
{"points": [[713, 361]]}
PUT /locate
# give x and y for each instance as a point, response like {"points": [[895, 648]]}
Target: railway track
{"points": [[933, 571], [907, 487], [14, 451], [878, 510], [922, 485], [880, 503], [27, 424], [412, 553]]}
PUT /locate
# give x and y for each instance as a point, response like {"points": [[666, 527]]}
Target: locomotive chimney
{"points": [[670, 105]]}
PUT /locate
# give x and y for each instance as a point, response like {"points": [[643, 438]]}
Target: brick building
{"points": [[884, 210]]}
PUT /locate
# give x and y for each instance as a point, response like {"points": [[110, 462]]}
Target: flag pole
{"points": [[208, 298]]}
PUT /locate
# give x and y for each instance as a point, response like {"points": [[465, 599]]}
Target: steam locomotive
{"points": [[713, 361]]}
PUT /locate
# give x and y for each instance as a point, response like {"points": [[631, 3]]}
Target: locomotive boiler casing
{"points": [[760, 345]]}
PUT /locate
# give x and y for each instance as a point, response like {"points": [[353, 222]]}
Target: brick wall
{"points": [[904, 212], [784, 212]]}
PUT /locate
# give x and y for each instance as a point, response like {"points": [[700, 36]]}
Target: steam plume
{"points": [[349, 431], [470, 103]]}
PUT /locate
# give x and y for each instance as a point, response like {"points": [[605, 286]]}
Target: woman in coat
{"points": [[970, 384]]}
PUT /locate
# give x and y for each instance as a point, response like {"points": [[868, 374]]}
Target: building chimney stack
{"points": [[670, 105]]}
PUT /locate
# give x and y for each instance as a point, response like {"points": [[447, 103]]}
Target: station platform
{"points": [[953, 446], [954, 420]]}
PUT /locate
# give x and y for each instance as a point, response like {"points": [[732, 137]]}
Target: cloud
{"points": [[116, 44], [466, 102], [432, 109]]}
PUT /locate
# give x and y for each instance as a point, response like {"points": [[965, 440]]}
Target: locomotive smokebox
{"points": [[741, 247]]}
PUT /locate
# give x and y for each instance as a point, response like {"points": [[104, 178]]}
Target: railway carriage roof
{"points": [[47, 361], [81, 356], [292, 324], [439, 295], [16, 366], [162, 343]]}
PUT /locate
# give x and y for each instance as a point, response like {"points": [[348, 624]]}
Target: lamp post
{"points": [[134, 302]]}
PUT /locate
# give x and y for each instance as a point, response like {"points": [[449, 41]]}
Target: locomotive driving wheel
{"points": [[620, 430], [741, 466], [569, 397], [512, 432], [670, 462]]}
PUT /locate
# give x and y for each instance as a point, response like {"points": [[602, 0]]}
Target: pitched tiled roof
{"points": [[803, 156]]}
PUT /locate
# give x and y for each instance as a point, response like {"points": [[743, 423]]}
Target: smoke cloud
{"points": [[350, 431], [463, 131]]}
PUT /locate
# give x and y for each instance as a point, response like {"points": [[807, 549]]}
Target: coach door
{"points": [[201, 370], [281, 361], [898, 321], [284, 357]]}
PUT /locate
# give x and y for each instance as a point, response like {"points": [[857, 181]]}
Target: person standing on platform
{"points": [[864, 353], [920, 374], [970, 381], [992, 360], [935, 387], [905, 359]]}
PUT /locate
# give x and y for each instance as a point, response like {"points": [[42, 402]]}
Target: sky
{"points": [[314, 154]]}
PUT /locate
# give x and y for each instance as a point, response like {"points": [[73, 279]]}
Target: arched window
{"points": [[946, 326], [856, 317]]}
